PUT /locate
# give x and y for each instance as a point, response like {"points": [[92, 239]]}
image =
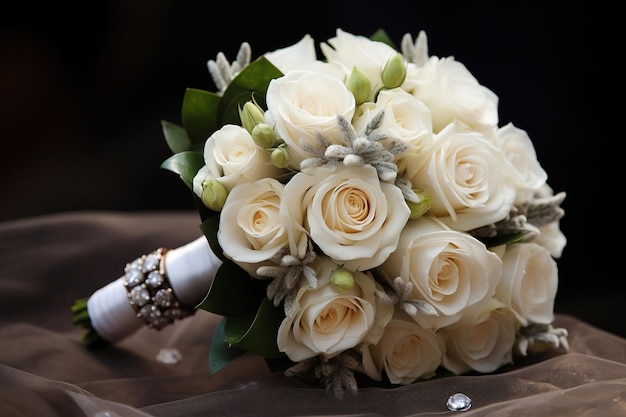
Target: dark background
{"points": [[84, 86]]}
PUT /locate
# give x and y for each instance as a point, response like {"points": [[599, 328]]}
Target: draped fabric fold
{"points": [[48, 262]]}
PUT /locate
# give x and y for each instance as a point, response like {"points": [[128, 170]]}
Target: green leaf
{"points": [[251, 82], [256, 333], [176, 137], [221, 353], [502, 239], [80, 317], [381, 36], [199, 114], [210, 227], [233, 292], [205, 212], [186, 164]]}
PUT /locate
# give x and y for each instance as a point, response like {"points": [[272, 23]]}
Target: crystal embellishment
{"points": [[169, 356], [151, 262], [155, 279], [163, 298], [134, 277], [139, 296], [150, 292], [459, 402]]}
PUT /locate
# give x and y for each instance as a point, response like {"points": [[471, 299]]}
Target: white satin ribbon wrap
{"points": [[190, 269]]}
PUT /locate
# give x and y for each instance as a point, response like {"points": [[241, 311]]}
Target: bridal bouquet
{"points": [[363, 214]]}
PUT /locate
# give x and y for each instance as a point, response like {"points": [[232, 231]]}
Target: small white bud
{"points": [[418, 209], [280, 156], [213, 194], [394, 72], [264, 135], [251, 115], [341, 280], [359, 85]]}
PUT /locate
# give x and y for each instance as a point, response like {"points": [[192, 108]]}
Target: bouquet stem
{"points": [[189, 269]]}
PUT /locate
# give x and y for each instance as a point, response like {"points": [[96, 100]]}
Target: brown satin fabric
{"points": [[47, 262]]}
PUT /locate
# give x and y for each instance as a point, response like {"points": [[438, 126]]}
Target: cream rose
{"points": [[452, 93], [303, 104], [552, 238], [550, 235], [404, 353], [251, 229], [521, 162], [350, 215], [327, 322], [483, 346], [294, 56], [349, 51], [529, 282], [406, 118], [463, 174], [232, 157], [448, 269], [302, 56]]}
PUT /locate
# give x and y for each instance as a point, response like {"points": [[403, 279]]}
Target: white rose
{"points": [[452, 93], [201, 176], [300, 53], [404, 353], [327, 322], [529, 282], [302, 56], [303, 104], [406, 118], [231, 157], [552, 238], [450, 270], [550, 235], [251, 230], [352, 216], [463, 174], [349, 51], [483, 346], [521, 161]]}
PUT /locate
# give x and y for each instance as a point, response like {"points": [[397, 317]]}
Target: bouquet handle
{"points": [[155, 290]]}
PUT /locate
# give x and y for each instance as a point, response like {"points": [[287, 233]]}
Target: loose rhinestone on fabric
{"points": [[169, 356], [459, 402], [106, 413]]}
